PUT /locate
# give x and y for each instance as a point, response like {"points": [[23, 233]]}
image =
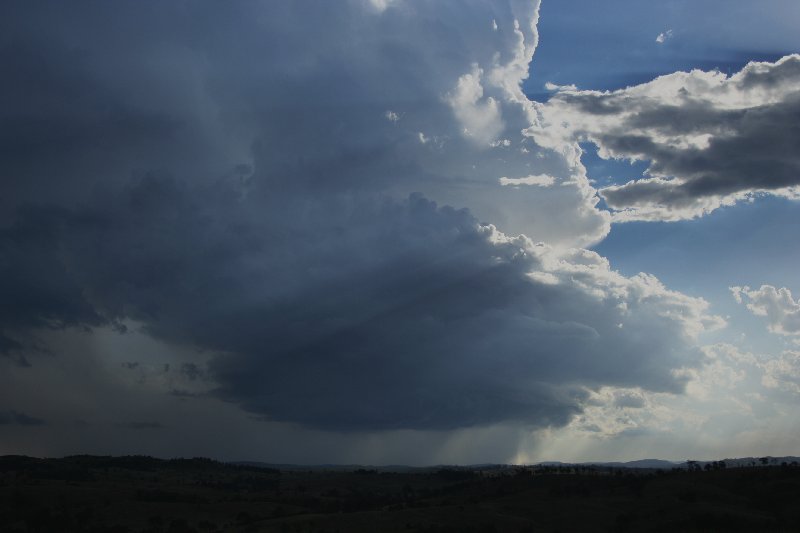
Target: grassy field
{"points": [[142, 494]]}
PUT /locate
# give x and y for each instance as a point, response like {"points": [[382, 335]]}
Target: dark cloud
{"points": [[101, 94], [19, 419], [141, 425], [192, 371], [356, 312], [10, 346], [180, 393], [37, 288], [760, 156], [710, 140], [224, 179]]}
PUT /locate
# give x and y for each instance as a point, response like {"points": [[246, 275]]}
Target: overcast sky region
{"points": [[400, 231]]}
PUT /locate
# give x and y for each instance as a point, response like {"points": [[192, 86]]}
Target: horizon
{"points": [[616, 463], [398, 232], [245, 462]]}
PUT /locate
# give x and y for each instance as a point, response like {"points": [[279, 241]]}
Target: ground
{"points": [[142, 494]]}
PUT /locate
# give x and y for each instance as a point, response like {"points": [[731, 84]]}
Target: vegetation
{"points": [[142, 494]]}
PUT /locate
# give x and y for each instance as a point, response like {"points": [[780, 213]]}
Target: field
{"points": [[142, 494]]}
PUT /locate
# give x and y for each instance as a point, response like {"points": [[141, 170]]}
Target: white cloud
{"points": [[732, 401], [777, 305], [540, 180], [664, 36], [380, 6], [777, 373], [505, 143], [783, 372], [480, 117]]}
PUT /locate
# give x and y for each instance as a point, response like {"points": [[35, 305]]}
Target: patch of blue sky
{"points": [[747, 244], [605, 172], [611, 45], [742, 241]]}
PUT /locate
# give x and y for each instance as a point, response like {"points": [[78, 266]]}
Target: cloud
{"points": [[711, 140], [192, 371], [19, 419], [540, 180], [664, 36], [777, 373], [365, 315], [781, 310], [189, 105], [783, 372], [140, 425], [381, 5], [249, 203], [480, 117], [732, 400], [610, 412]]}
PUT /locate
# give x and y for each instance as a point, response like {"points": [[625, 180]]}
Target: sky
{"points": [[400, 232]]}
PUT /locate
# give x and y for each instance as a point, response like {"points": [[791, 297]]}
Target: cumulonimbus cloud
{"points": [[362, 314], [246, 195], [710, 139]]}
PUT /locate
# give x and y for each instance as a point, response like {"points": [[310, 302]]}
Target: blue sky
{"points": [[615, 46], [385, 231], [611, 45]]}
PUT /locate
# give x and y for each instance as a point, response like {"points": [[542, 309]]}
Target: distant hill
{"points": [[652, 464], [663, 464], [641, 463], [292, 467]]}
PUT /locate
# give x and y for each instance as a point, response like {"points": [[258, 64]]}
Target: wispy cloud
{"points": [[664, 36]]}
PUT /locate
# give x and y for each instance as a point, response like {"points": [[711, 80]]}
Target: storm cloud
{"points": [[364, 313], [20, 419], [323, 217]]}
